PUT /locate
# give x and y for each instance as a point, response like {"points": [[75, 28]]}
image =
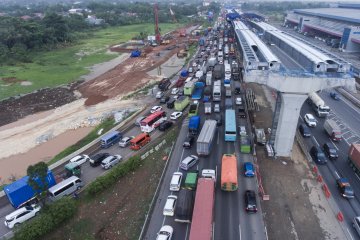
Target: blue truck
{"points": [[207, 94], [202, 41], [194, 124], [135, 53], [20, 192], [198, 90]]}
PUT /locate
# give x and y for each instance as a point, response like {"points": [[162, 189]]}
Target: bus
{"points": [[230, 125], [152, 121], [229, 180], [65, 188], [217, 93], [110, 138], [139, 141]]}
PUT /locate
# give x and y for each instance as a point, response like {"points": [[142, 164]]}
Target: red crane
{"points": [[157, 31]]}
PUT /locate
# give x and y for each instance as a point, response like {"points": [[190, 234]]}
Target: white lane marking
{"points": [[350, 234], [213, 230], [301, 118], [347, 142], [240, 231], [218, 138], [266, 234], [316, 141], [187, 231], [337, 175], [357, 176], [334, 145], [163, 221], [181, 157]]}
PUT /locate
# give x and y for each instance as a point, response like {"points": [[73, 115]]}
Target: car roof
{"points": [[187, 159], [309, 115], [107, 159], [16, 212]]}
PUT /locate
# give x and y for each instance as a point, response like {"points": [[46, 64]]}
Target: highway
{"points": [[348, 115], [231, 221]]}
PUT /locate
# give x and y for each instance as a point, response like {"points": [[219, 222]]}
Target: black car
{"points": [[170, 104], [304, 130], [188, 142], [330, 150], [250, 201], [318, 155], [218, 119], [181, 92], [97, 159], [165, 125], [334, 96], [164, 99]]}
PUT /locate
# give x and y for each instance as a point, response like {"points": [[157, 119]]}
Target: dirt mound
{"points": [[92, 100], [15, 108]]}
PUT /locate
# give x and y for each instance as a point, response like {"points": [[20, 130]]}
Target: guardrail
{"points": [[349, 96]]}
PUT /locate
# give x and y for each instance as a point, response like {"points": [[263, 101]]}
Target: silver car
{"points": [[110, 161]]}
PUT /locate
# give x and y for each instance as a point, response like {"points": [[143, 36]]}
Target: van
{"points": [[318, 155], [139, 141], [109, 139], [65, 188], [170, 104], [175, 182], [188, 162]]}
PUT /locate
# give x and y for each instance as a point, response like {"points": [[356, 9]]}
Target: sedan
{"points": [[250, 201], [335, 96], [175, 115], [155, 109], [249, 169], [174, 91], [238, 101], [110, 161], [165, 233], [170, 204], [80, 159], [125, 141], [310, 120]]}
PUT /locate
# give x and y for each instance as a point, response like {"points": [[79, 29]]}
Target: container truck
{"points": [[354, 157], [227, 92], [209, 78], [20, 192], [189, 88], [197, 94], [203, 214], [164, 84], [227, 70], [181, 103], [245, 146], [235, 71], [205, 139], [333, 130], [211, 63], [194, 124], [202, 41], [207, 93], [193, 110], [184, 206], [318, 105]]}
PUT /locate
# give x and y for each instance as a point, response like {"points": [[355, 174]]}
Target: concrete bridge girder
{"points": [[294, 93]]}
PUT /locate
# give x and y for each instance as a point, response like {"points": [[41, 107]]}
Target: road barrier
{"points": [[340, 216], [319, 178], [326, 190]]}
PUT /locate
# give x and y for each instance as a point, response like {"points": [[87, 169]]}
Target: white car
{"points": [[155, 109], [80, 159], [238, 101], [125, 141], [194, 64], [188, 162], [175, 115], [21, 215], [175, 182], [170, 204], [110, 161], [310, 120], [165, 233], [174, 91], [217, 107]]}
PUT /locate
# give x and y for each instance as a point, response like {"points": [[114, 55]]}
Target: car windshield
{"points": [[332, 150], [164, 233], [321, 156]]}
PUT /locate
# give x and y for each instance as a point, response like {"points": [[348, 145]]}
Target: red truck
{"points": [[354, 157], [202, 218]]}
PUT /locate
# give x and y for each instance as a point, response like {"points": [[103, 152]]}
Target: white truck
{"points": [[318, 105], [207, 107], [209, 78], [206, 136]]}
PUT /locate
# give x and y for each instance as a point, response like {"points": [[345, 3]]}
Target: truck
{"points": [[194, 125], [318, 105], [208, 80], [218, 73], [203, 214], [189, 88], [227, 71], [241, 111], [21, 193], [227, 82], [245, 146], [207, 107], [354, 157], [237, 90], [207, 93], [260, 136], [199, 74], [180, 82], [212, 61], [193, 110], [202, 41], [164, 84], [181, 103], [206, 136], [184, 206], [333, 130], [235, 71], [198, 90], [228, 103], [227, 92], [191, 180]]}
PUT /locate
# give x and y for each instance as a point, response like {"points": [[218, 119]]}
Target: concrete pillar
{"points": [[288, 119]]}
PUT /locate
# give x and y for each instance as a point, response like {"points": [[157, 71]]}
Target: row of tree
{"points": [[280, 7]]}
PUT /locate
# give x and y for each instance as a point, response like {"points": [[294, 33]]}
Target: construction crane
{"points": [[173, 15], [157, 31]]}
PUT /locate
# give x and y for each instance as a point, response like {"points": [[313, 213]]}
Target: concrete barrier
{"points": [[349, 96]]}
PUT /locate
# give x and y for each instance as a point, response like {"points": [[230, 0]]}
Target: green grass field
{"points": [[65, 65]]}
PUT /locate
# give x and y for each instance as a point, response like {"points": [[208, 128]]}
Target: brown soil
{"points": [[11, 80], [288, 213]]}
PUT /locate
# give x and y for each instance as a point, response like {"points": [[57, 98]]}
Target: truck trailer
{"points": [[354, 157], [318, 105], [205, 139], [332, 129], [194, 124], [181, 103], [184, 206], [20, 192], [198, 90]]}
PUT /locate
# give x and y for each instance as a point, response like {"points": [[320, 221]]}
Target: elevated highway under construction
{"points": [[291, 66]]}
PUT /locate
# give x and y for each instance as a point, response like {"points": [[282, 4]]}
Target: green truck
{"points": [[191, 180], [245, 146], [73, 169], [189, 88], [181, 103]]}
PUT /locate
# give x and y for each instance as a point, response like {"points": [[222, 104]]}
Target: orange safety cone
{"points": [[340, 216]]}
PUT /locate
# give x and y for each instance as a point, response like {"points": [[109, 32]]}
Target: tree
{"points": [[38, 179]]}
